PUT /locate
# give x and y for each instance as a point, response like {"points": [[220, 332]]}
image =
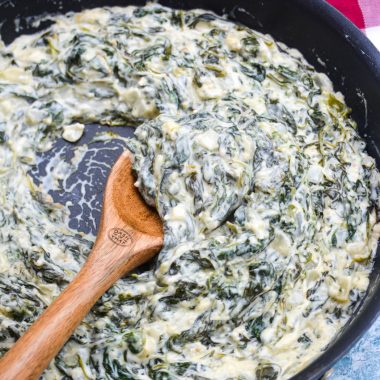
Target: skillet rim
{"points": [[369, 308]]}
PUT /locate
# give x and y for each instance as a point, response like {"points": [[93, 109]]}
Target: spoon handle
{"points": [[115, 252]]}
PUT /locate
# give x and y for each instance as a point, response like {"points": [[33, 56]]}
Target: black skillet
{"points": [[328, 40]]}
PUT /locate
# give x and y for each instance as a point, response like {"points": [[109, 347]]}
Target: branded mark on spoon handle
{"points": [[120, 236]]}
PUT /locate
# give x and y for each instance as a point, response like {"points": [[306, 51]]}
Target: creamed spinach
{"points": [[268, 197]]}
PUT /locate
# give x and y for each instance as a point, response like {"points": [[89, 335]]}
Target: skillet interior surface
{"points": [[327, 40]]}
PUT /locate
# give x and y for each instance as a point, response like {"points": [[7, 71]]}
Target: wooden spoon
{"points": [[130, 233]]}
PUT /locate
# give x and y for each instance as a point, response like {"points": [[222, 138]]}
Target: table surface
{"points": [[363, 361]]}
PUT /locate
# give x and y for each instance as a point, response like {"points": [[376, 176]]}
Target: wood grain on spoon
{"points": [[130, 233]]}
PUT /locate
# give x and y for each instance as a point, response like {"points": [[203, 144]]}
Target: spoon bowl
{"points": [[130, 233]]}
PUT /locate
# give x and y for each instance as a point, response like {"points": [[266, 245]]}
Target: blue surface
{"points": [[363, 361]]}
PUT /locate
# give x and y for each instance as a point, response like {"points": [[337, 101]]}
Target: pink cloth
{"points": [[371, 12], [365, 14]]}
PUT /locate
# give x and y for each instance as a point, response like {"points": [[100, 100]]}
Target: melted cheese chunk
{"points": [[73, 132]]}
